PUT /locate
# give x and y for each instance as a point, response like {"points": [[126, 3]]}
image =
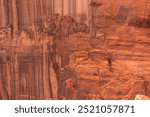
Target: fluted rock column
{"points": [[15, 14], [66, 6], [8, 79], [58, 6], [4, 13], [82, 10], [15, 18], [31, 12], [41, 7], [16, 78], [73, 8]]}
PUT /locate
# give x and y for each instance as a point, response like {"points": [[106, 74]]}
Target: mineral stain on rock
{"points": [[73, 50]]}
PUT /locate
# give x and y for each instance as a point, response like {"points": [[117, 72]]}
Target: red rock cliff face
{"points": [[65, 58], [26, 12], [23, 12], [141, 7]]}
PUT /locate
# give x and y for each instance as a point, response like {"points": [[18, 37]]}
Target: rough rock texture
{"points": [[118, 68], [27, 12], [68, 49]]}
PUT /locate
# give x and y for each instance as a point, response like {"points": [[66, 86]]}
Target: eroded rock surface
{"points": [[62, 53]]}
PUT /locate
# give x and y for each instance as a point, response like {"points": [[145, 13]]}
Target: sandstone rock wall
{"points": [[141, 7], [112, 65], [28, 12], [27, 71]]}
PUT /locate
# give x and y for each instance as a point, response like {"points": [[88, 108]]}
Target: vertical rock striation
{"points": [[20, 13]]}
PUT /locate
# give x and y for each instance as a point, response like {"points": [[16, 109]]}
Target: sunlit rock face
{"points": [[27, 70], [74, 49], [141, 7], [27, 12]]}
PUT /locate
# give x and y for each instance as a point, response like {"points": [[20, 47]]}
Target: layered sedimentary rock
{"points": [[27, 12], [47, 50], [115, 68], [34, 11], [141, 7]]}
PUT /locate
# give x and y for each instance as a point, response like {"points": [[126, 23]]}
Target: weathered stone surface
{"points": [[68, 49]]}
